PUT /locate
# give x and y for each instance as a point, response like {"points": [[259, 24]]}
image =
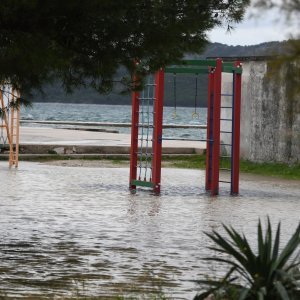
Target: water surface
{"points": [[78, 231]]}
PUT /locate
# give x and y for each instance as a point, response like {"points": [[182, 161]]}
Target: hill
{"points": [[185, 84]]}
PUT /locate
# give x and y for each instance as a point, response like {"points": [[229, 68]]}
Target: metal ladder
{"points": [[231, 134]]}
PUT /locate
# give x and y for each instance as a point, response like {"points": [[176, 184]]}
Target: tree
{"points": [[84, 43]]}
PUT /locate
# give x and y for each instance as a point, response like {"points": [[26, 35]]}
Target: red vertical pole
{"points": [[157, 130], [134, 138], [235, 163], [209, 135], [216, 129]]}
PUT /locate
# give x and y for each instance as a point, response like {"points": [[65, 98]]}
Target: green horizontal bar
{"points": [[206, 63], [179, 69], [228, 64], [185, 70], [231, 69], [203, 62], [142, 183]]}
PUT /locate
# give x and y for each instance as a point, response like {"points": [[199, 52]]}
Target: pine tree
{"points": [[84, 43]]}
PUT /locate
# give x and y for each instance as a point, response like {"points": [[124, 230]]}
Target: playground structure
{"points": [[10, 123], [147, 120]]}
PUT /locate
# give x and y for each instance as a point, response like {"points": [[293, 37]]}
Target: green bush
{"points": [[266, 273]]}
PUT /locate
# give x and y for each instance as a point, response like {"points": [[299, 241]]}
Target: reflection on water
{"points": [[66, 231]]}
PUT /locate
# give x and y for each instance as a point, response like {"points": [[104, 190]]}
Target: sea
{"points": [[116, 114]]}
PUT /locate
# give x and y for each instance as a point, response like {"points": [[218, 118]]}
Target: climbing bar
{"points": [[188, 140], [223, 181], [145, 98]]}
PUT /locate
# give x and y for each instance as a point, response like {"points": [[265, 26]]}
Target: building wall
{"points": [[270, 122]]}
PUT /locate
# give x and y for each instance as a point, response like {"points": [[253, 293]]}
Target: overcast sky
{"points": [[270, 26]]}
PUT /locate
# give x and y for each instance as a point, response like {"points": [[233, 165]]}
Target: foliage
{"points": [[265, 273], [18, 101], [84, 43]]}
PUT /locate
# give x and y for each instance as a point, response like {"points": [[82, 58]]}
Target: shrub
{"points": [[266, 273]]}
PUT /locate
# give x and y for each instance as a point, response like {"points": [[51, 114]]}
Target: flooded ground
{"points": [[69, 231]]}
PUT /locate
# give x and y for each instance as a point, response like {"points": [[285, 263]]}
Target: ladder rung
{"points": [[226, 119], [144, 153], [145, 126], [225, 169], [222, 181], [146, 98], [227, 95], [226, 106], [226, 131], [222, 144]]}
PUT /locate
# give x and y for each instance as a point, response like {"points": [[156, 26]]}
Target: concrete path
{"points": [[42, 140]]}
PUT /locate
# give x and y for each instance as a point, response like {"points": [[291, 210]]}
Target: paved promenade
{"points": [[41, 140]]}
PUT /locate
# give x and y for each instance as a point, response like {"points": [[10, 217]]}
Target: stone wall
{"points": [[270, 121]]}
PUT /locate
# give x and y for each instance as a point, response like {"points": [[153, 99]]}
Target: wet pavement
{"points": [[68, 231]]}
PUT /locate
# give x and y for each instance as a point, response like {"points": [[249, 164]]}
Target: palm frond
{"points": [[268, 273]]}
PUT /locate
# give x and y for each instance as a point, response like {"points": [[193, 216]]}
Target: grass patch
{"points": [[268, 169], [279, 170]]}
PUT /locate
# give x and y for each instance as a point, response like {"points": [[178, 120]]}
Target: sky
{"points": [[269, 26]]}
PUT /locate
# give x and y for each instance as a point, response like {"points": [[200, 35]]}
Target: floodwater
{"points": [[71, 231]]}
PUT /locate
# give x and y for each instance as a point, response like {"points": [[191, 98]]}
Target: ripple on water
{"points": [[69, 231]]}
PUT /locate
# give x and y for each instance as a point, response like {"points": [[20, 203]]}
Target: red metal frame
{"points": [[213, 132], [134, 138], [237, 86], [157, 131], [215, 165]]}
